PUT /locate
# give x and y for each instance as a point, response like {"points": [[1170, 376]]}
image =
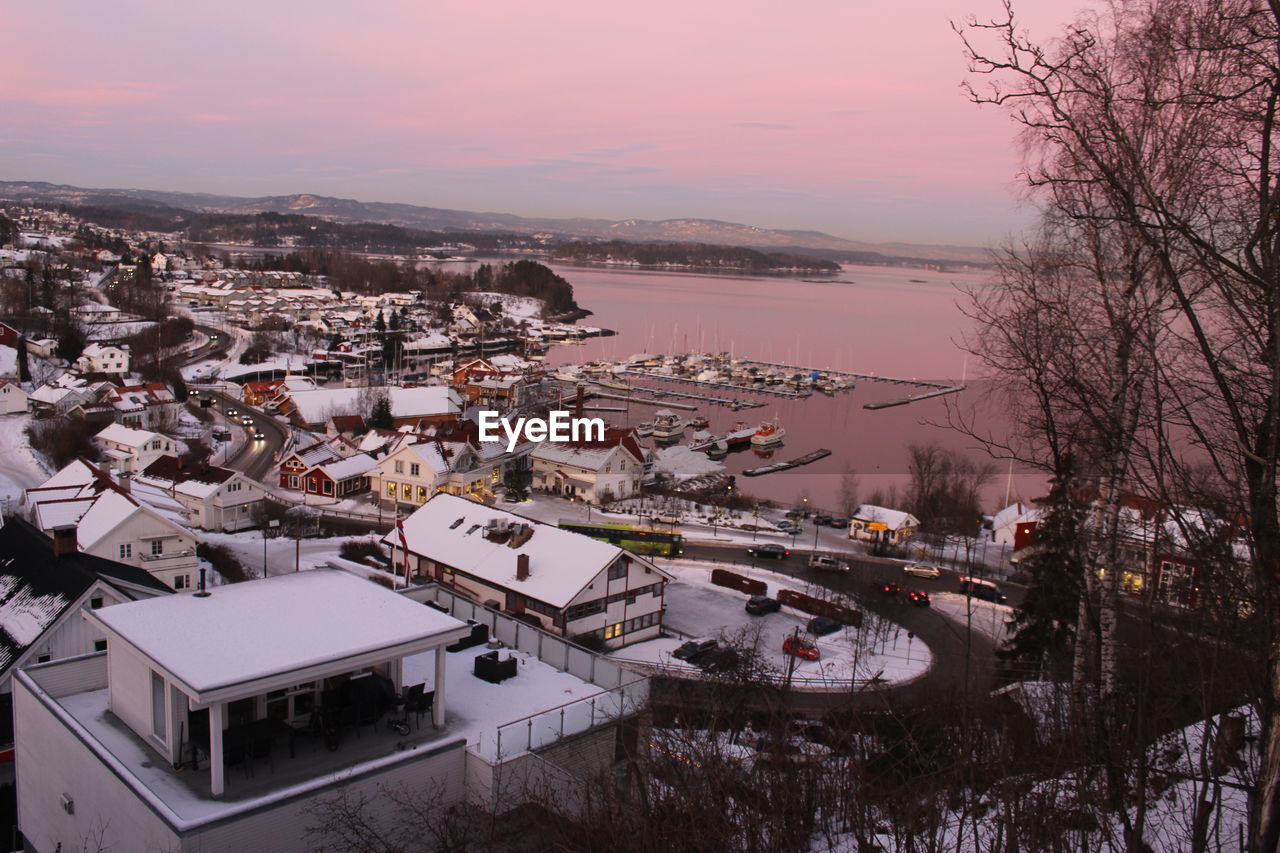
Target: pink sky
{"points": [[843, 116]]}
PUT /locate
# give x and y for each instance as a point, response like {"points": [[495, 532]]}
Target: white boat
{"points": [[645, 428], [667, 425], [768, 434], [613, 385]]}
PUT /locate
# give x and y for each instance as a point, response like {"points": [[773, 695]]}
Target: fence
{"points": [[582, 715]]}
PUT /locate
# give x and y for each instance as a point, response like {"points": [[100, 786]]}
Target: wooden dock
{"points": [[813, 456]]}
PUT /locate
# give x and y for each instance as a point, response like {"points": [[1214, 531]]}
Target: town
{"points": [[267, 554]]}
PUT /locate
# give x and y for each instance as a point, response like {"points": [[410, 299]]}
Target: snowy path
{"points": [[19, 467]]}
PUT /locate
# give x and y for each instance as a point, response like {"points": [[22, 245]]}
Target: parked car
{"points": [[820, 626], [918, 598], [771, 549], [801, 648], [786, 526], [920, 570], [891, 588], [694, 649], [986, 590], [824, 520], [827, 563], [759, 605]]}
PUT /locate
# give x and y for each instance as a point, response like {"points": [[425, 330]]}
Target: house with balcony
{"points": [[167, 742], [47, 586], [128, 450], [562, 581], [111, 523]]}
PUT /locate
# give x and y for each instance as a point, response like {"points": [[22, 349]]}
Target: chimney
{"points": [[522, 567], [64, 541]]}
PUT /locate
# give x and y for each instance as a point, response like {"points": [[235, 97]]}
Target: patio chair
{"points": [[418, 701]]}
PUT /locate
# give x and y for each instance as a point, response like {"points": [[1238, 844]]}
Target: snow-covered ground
{"points": [[20, 468], [987, 617], [515, 307], [116, 332], [682, 463], [697, 607], [282, 553]]}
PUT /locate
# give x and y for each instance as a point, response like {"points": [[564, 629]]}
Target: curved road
{"points": [[963, 660]]}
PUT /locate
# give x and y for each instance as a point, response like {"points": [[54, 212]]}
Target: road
{"points": [[254, 457], [963, 661]]}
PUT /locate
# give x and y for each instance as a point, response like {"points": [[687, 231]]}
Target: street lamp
{"points": [[271, 524]]}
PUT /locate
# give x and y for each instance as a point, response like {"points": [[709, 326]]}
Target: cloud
{"points": [[618, 150], [766, 125]]}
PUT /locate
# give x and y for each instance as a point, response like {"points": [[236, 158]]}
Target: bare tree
{"points": [[1158, 119]]}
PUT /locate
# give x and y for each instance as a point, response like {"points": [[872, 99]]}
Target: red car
{"points": [[801, 648], [918, 598]]}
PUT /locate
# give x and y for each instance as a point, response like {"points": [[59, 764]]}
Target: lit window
{"points": [[612, 631], [422, 494], [391, 489], [406, 491]]}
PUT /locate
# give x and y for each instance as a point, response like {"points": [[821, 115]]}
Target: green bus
{"points": [[634, 539]]}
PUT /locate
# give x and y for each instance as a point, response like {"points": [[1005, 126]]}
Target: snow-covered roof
{"points": [[590, 458], [319, 405], [129, 436], [292, 625], [893, 519], [450, 530], [352, 466]]}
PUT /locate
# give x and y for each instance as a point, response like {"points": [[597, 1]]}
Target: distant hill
{"points": [[434, 218]]}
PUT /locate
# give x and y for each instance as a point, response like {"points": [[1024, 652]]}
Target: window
{"points": [[406, 491], [414, 469], [422, 494], [158, 727], [157, 547], [182, 581], [42, 658], [126, 551], [399, 466], [391, 489], [95, 603], [495, 476], [612, 631], [293, 481], [328, 487], [618, 570], [99, 645]]}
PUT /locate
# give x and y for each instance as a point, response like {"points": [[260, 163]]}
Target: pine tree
{"points": [[1043, 626], [380, 416]]}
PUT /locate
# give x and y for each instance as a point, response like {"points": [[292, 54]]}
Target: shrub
{"points": [[223, 561]]}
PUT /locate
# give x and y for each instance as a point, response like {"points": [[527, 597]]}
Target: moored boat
{"points": [[667, 425], [769, 433]]}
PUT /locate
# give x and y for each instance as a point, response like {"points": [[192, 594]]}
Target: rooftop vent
{"points": [[522, 567]]}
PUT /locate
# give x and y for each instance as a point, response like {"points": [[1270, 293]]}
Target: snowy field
{"points": [[987, 618], [697, 607]]}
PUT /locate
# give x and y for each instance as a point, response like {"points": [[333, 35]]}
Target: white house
{"points": [[129, 450], [880, 524], [12, 399], [566, 582], [170, 767], [112, 524], [104, 358], [596, 472], [214, 498], [47, 585]]}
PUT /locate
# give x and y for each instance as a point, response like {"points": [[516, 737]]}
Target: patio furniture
{"points": [[419, 701], [493, 670], [479, 636]]}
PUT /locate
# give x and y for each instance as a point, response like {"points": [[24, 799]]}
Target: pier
{"points": [[902, 401], [813, 456]]}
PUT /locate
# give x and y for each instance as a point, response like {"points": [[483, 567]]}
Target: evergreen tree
{"points": [[380, 323], [380, 416], [1043, 626]]}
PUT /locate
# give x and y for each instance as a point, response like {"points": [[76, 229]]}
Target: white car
{"points": [[922, 571]]}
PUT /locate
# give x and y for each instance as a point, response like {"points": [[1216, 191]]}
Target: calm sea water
{"points": [[901, 323]]}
